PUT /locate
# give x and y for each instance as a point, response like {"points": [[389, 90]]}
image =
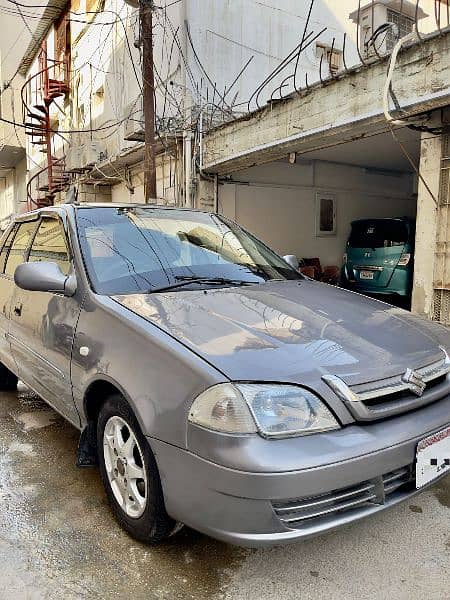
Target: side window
{"points": [[5, 249], [49, 244], [19, 246]]}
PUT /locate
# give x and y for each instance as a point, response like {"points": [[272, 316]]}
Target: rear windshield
{"points": [[378, 234]]}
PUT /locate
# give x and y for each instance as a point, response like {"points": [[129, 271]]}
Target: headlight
{"points": [[222, 408], [274, 411]]}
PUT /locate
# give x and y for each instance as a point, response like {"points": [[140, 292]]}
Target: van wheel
{"points": [[8, 381], [130, 474]]}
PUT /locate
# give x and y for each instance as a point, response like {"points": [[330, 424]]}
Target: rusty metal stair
{"points": [[45, 89]]}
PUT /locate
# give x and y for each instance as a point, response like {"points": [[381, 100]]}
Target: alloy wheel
{"points": [[125, 467]]}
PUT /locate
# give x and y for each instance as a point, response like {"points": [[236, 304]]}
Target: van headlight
{"points": [[272, 410]]}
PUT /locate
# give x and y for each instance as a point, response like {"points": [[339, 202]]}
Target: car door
{"points": [[43, 324], [6, 291], [14, 256]]}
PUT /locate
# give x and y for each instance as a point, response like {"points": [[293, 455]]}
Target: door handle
{"points": [[18, 309]]}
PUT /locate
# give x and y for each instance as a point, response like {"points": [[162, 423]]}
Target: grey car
{"points": [[213, 384]]}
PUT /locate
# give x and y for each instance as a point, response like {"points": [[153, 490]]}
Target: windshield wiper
{"points": [[184, 280]]}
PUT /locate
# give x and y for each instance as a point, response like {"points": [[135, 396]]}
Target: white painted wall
{"points": [[12, 192], [279, 205], [227, 33], [13, 39]]}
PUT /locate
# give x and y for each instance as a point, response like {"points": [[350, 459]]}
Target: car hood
{"points": [[293, 331]]}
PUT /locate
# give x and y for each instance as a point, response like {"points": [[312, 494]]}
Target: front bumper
{"points": [[256, 509]]}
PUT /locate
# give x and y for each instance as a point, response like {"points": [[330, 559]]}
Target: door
{"points": [[43, 325], [6, 291]]}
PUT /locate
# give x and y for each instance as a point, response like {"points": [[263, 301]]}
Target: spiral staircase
{"points": [[39, 93]]}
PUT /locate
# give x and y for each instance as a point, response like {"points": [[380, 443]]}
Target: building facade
{"points": [[13, 165], [214, 61]]}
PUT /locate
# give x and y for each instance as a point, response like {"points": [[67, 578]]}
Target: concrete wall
{"points": [[339, 111], [430, 168], [168, 174], [279, 205], [14, 38], [227, 33]]}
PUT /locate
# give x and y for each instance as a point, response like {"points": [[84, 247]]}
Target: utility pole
{"points": [[146, 8]]}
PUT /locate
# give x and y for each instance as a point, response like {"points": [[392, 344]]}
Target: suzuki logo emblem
{"points": [[367, 255], [414, 381]]}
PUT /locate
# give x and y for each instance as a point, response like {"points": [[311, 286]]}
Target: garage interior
{"points": [[280, 201]]}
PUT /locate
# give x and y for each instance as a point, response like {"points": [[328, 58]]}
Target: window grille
{"points": [[405, 25]]}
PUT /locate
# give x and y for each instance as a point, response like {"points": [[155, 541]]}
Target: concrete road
{"points": [[58, 539]]}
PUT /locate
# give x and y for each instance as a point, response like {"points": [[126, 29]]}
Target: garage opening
{"points": [[305, 205]]}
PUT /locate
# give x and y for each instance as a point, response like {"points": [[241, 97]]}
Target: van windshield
{"points": [[128, 250], [378, 233]]}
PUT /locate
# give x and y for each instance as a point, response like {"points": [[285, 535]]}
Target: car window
{"points": [[383, 233], [5, 249], [19, 246], [49, 244]]}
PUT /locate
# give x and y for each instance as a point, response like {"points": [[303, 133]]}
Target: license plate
{"points": [[432, 457], [365, 275]]}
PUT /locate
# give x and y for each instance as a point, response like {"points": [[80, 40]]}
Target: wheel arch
{"points": [[96, 394]]}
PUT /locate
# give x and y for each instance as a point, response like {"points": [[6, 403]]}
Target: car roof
{"points": [[58, 208], [77, 205], [382, 219]]}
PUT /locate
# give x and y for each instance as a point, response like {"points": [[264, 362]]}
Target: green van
{"points": [[380, 256]]}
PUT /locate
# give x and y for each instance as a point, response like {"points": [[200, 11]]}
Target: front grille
{"points": [[302, 511], [394, 395], [402, 401], [403, 394]]}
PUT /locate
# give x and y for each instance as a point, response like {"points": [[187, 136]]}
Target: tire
{"points": [[8, 381], [148, 523]]}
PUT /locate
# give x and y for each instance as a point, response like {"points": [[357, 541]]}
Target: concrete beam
{"points": [[339, 110]]}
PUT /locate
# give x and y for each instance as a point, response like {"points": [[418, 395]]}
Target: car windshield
{"points": [[383, 233], [128, 250]]}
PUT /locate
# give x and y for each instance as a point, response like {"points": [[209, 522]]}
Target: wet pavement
{"points": [[59, 540]]}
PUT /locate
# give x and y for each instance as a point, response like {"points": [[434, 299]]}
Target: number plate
{"points": [[365, 275], [432, 457]]}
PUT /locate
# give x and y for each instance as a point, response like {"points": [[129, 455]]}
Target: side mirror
{"points": [[44, 277], [292, 260]]}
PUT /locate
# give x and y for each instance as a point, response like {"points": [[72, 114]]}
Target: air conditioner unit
{"points": [[134, 124], [92, 154], [74, 159], [398, 18]]}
